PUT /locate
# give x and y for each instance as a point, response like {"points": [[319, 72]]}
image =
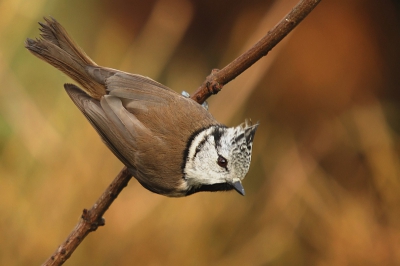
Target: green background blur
{"points": [[323, 188]]}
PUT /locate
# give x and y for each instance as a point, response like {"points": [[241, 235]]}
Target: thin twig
{"points": [[218, 78], [90, 219], [93, 217]]}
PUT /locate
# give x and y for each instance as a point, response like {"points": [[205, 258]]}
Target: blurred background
{"points": [[324, 185]]}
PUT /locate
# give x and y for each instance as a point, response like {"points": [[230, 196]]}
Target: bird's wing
{"points": [[117, 127]]}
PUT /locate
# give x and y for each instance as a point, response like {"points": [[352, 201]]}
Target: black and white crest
{"points": [[218, 158]]}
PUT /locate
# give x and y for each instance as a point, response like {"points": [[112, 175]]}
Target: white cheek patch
{"points": [[201, 165], [197, 143]]}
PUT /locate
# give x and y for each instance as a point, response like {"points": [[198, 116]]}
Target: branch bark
{"points": [[93, 218], [218, 78], [90, 220]]}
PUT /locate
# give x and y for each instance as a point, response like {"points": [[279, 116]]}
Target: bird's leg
{"points": [[187, 95]]}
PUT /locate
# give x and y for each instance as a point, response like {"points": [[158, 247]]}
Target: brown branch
{"points": [[93, 218], [218, 78], [90, 219]]}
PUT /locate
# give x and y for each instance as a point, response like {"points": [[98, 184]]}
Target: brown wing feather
{"points": [[93, 111]]}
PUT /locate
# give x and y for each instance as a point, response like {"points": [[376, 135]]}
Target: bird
{"points": [[171, 144]]}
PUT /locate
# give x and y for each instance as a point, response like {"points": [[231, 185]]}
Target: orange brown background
{"points": [[324, 185]]}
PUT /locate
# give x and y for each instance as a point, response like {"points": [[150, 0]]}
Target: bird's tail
{"points": [[59, 50]]}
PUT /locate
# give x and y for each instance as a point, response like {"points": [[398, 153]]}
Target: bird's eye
{"points": [[222, 161]]}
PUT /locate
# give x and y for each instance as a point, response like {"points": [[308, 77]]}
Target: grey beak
{"points": [[238, 187]]}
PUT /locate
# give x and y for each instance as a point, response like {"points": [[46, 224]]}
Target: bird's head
{"points": [[218, 158]]}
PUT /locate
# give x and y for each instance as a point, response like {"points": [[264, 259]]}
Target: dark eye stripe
{"points": [[239, 138], [198, 148], [217, 134]]}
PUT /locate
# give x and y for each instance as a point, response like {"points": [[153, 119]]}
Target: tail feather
{"points": [[59, 50]]}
